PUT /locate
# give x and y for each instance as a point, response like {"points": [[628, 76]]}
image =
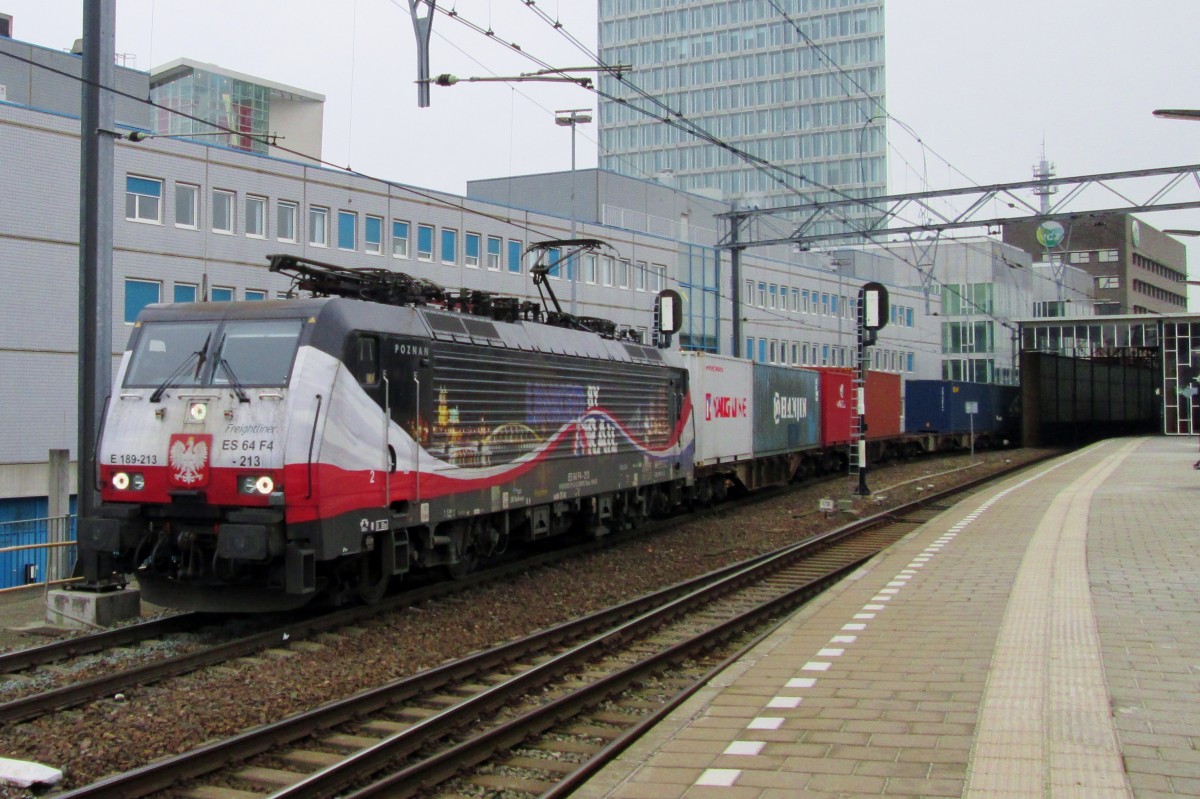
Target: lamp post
{"points": [[570, 118], [1178, 113]]}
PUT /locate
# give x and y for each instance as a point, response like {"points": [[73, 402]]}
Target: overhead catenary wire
{"points": [[459, 206]]}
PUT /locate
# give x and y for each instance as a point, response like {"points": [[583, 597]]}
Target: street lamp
{"points": [[1177, 113], [570, 118]]}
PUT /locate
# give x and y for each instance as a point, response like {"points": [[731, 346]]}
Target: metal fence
{"points": [[36, 552]]}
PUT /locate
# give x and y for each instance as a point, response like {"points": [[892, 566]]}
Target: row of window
{"points": [[772, 296], [968, 337], [973, 370], [966, 299], [701, 22], [143, 203], [1162, 295], [140, 292], [1154, 267], [1085, 256], [796, 353]]}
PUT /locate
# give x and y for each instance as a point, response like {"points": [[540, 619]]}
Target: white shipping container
{"points": [[722, 395]]}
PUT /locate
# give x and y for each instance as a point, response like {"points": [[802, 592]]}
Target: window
{"points": [[1107, 256], [825, 354], [494, 244], [1079, 257], [285, 221], [471, 243], [609, 271], [187, 211], [139, 294], [399, 239], [762, 350], [222, 211], [256, 217], [774, 356], [909, 364], [639, 279], [552, 259], [347, 230], [750, 347], [255, 295], [773, 297], [795, 299], [449, 246], [185, 292], [658, 273], [623, 273], [220, 294], [318, 226], [143, 199], [373, 234], [424, 242], [749, 298], [514, 256], [908, 319], [1108, 282], [762, 295], [833, 304]]}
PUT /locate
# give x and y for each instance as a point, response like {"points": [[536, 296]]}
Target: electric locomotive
{"points": [[257, 455]]}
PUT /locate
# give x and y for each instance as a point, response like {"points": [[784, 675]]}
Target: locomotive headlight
{"points": [[262, 484], [197, 411], [123, 481]]}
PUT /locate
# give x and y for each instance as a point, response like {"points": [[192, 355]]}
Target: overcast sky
{"points": [[982, 84]]}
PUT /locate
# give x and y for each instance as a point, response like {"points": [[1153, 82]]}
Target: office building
{"points": [[1135, 268], [796, 83]]}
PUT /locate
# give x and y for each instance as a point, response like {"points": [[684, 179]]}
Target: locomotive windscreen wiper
{"points": [[200, 355], [233, 381]]}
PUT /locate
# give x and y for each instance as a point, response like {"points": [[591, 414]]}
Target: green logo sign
{"points": [[1050, 234]]}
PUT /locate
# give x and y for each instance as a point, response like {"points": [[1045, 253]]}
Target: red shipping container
{"points": [[837, 407], [884, 406]]}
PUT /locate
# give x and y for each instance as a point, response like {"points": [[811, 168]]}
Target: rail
{"points": [[36, 552]]}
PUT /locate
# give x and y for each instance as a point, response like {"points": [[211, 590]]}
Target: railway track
{"points": [[63, 674], [537, 715]]}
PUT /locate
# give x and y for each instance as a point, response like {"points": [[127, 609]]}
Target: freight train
{"points": [[256, 456]]}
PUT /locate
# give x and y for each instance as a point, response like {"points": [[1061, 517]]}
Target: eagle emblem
{"points": [[188, 459]]}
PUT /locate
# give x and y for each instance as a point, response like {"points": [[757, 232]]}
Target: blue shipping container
{"points": [[940, 406], [786, 409]]}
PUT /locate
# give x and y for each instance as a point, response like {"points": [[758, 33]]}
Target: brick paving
{"points": [[972, 659]]}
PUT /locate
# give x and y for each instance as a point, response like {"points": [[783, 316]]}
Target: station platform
{"points": [[1039, 638]]}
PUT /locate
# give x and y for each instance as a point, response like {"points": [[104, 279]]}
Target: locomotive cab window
{"points": [[168, 348], [367, 363], [190, 354], [258, 353]]}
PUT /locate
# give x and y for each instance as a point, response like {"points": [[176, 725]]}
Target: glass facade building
{"points": [[218, 100], [228, 109], [796, 83]]}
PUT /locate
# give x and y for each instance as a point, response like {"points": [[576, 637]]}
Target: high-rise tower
{"points": [[797, 83]]}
